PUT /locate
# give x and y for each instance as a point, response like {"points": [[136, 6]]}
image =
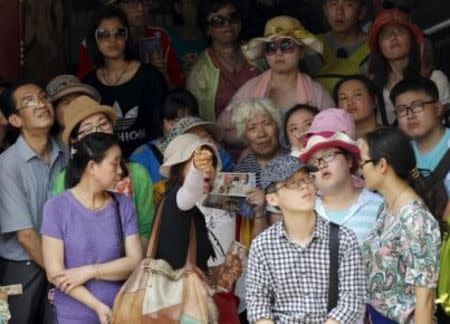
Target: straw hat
{"points": [[389, 17], [81, 108], [278, 28], [181, 149], [65, 84]]}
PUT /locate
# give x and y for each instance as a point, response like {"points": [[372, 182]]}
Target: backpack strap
{"points": [[156, 152], [118, 222], [333, 293], [440, 172]]}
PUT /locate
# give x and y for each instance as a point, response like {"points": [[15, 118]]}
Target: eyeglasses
{"points": [[326, 158], [414, 107], [219, 21], [34, 101], [120, 33], [104, 126], [286, 46], [364, 162], [291, 183]]}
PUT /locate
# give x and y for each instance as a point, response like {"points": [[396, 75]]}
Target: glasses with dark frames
{"points": [[326, 158], [414, 107], [286, 46]]}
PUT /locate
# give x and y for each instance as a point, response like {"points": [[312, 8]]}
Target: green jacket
{"points": [[142, 195], [203, 82]]}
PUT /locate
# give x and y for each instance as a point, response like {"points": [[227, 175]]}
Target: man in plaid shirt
{"points": [[288, 269]]}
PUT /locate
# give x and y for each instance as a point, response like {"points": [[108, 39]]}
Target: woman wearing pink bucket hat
{"points": [[332, 148]]}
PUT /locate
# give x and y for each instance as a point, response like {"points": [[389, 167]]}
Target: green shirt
{"points": [[142, 195]]}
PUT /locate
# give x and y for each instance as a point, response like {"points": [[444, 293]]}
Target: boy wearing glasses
{"points": [[419, 112], [29, 167], [331, 148], [289, 265]]}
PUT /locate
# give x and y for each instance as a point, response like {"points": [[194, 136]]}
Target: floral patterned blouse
{"points": [[401, 252]]}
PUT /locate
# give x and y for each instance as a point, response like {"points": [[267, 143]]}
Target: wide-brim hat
{"points": [[65, 84], [278, 28], [81, 108], [388, 17], [325, 140], [187, 123], [181, 150]]}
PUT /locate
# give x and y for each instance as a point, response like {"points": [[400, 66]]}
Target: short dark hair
{"points": [[8, 104], [92, 147], [109, 12], [417, 83], [178, 102]]}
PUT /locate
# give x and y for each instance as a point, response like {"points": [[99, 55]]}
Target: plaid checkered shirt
{"points": [[288, 283]]}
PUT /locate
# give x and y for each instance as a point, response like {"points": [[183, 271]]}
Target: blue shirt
{"points": [[26, 181], [431, 159], [361, 217]]}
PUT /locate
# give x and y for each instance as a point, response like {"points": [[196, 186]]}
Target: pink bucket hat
{"points": [[330, 121]]}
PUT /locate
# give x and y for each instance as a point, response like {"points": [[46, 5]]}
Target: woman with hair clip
{"points": [[90, 236], [135, 90], [402, 252]]}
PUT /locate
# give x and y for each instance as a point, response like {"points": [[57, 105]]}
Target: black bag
{"points": [[437, 193]]}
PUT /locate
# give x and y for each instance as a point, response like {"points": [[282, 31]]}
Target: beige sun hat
{"points": [[81, 108], [181, 148], [282, 27]]}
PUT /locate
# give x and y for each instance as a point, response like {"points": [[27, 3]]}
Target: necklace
{"points": [[118, 78], [231, 64]]}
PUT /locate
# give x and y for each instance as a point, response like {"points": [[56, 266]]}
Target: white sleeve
{"points": [[191, 190]]}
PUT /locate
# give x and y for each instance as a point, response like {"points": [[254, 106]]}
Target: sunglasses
{"points": [[120, 33], [219, 21], [286, 46]]}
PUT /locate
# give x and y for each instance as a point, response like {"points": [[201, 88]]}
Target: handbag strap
{"points": [[333, 293], [118, 222], [152, 245]]}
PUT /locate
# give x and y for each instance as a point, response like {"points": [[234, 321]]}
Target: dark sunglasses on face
{"points": [[116, 33], [286, 46], [219, 21]]}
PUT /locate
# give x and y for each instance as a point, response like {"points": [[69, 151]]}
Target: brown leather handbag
{"points": [[155, 293]]}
